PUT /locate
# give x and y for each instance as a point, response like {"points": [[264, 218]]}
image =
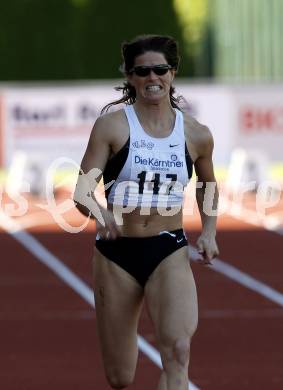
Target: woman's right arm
{"points": [[91, 169]]}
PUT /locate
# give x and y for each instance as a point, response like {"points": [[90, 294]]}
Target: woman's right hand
{"points": [[110, 230]]}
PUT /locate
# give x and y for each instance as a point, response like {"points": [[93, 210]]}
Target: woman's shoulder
{"points": [[111, 118], [110, 123], [196, 132]]}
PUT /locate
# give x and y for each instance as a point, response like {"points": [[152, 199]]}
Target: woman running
{"points": [[146, 152]]}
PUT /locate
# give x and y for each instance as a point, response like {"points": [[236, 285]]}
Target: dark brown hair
{"points": [[140, 45]]}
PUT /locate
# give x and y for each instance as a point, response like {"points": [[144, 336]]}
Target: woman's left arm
{"points": [[207, 196]]}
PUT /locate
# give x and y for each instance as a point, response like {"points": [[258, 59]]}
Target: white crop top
{"points": [[149, 171]]}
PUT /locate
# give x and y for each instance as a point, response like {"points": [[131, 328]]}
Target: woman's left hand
{"points": [[207, 248]]}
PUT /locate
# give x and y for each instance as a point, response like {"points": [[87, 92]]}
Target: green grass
{"points": [[276, 172], [68, 177], [3, 175]]}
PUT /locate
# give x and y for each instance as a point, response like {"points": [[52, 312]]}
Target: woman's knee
{"points": [[182, 351], [119, 378], [176, 354]]}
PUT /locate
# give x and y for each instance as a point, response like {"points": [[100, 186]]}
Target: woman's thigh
{"points": [[118, 300], [171, 299]]}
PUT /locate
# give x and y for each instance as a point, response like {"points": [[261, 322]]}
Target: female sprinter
{"points": [[145, 152]]}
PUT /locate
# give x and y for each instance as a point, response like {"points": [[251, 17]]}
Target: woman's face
{"points": [[151, 88]]}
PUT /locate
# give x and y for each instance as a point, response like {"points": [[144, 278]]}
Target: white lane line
{"points": [[272, 223], [71, 279], [47, 258], [242, 278]]}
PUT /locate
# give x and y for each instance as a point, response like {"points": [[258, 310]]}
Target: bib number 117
{"points": [[156, 182]]}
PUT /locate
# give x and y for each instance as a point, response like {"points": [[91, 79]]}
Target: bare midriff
{"points": [[145, 222]]}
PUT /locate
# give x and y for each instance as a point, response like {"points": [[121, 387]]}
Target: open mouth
{"points": [[153, 88]]}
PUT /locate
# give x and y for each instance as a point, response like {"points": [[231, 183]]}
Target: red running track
{"points": [[48, 338]]}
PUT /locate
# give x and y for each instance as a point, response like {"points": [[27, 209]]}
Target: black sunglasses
{"points": [[143, 71]]}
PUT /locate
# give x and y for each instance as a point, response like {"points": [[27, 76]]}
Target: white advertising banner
{"points": [[47, 123], [260, 119], [213, 107], [51, 122]]}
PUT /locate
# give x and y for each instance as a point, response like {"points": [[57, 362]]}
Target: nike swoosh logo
{"points": [[172, 146], [179, 240]]}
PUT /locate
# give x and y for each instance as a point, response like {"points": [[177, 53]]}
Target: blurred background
{"points": [[237, 41], [59, 62], [60, 59], [234, 41]]}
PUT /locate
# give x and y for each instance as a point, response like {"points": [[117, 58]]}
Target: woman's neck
{"points": [[156, 118]]}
